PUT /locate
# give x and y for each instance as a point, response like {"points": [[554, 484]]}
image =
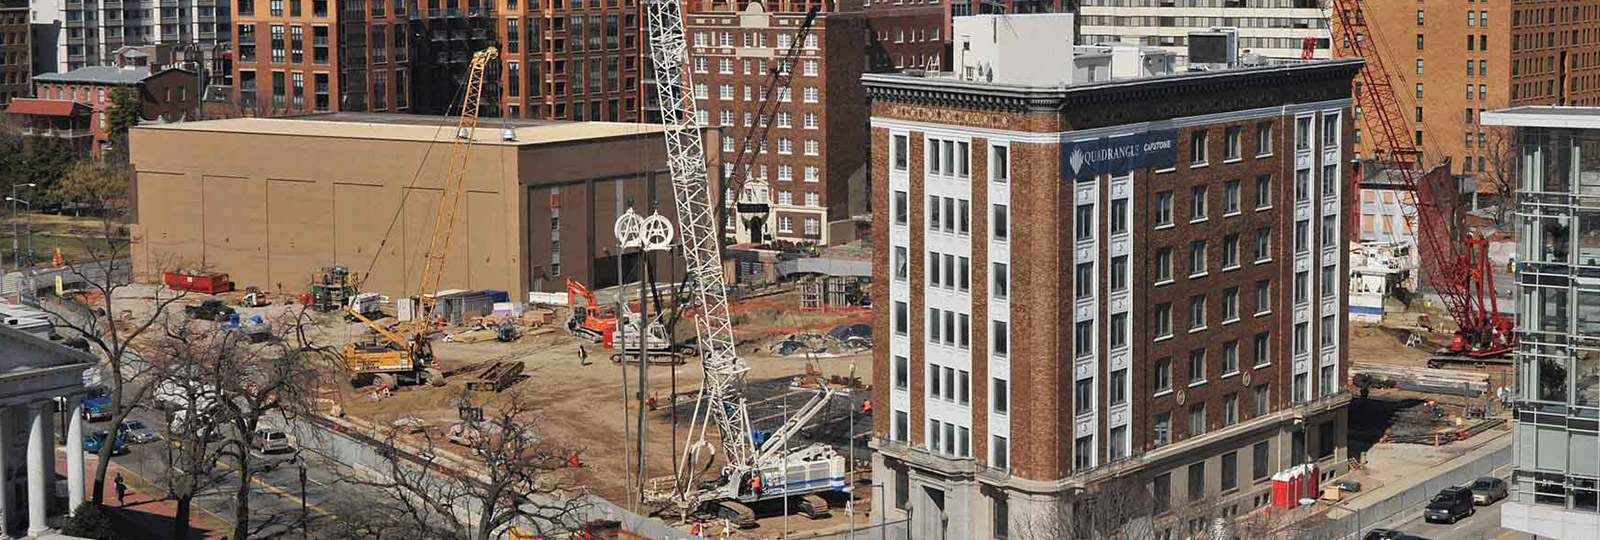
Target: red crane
{"points": [[1458, 269]]}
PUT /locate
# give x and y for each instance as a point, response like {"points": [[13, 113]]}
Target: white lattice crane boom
{"points": [[721, 405]]}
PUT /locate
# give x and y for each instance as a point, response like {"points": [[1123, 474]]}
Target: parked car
{"points": [[97, 405], [94, 441], [1450, 505], [1390, 534], [136, 432], [270, 440], [1487, 490]]}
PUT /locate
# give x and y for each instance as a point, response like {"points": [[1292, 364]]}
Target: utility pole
{"points": [[16, 252]]}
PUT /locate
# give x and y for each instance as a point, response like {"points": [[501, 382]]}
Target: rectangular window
{"points": [[1117, 447], [902, 373], [1163, 378], [1197, 422], [1197, 367], [1258, 461], [1118, 387], [1001, 288], [964, 388], [1083, 396], [1263, 245], [902, 207], [902, 427], [1230, 409], [1330, 231], [1197, 147], [1002, 456], [1119, 273], [1161, 435], [1230, 357], [935, 386], [1002, 397], [999, 164], [1083, 280], [1263, 297], [1119, 216], [1163, 265], [1083, 453], [1083, 222], [1263, 139], [1230, 304], [1263, 192], [1083, 338], [1329, 281], [1000, 526], [933, 270], [935, 332], [1230, 251], [1328, 328], [1163, 320], [1302, 287], [1230, 471], [902, 152], [1231, 143], [1163, 208], [1000, 339], [1197, 203], [1197, 312], [1302, 128], [1263, 349], [1000, 223], [1302, 237], [1302, 185], [1119, 330], [902, 319], [1197, 258], [1230, 197], [1302, 339], [963, 273]]}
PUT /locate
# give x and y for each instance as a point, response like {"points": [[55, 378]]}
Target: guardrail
{"points": [[1361, 520]]}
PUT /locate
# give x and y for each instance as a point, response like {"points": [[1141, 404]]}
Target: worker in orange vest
{"points": [[866, 406], [755, 484]]}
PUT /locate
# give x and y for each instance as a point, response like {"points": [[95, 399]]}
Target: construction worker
{"points": [[755, 484], [866, 406]]}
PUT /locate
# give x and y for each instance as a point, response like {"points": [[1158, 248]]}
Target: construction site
{"points": [[697, 382]]}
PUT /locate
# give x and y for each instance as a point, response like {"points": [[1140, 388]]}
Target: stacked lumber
{"points": [[1421, 379]]}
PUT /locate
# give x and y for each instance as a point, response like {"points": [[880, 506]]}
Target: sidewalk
{"points": [[1401, 498], [147, 508]]}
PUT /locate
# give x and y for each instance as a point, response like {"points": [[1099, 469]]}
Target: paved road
{"points": [[1484, 525], [276, 494]]}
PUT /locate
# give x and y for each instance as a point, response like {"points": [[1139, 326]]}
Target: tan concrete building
{"points": [[275, 199]]}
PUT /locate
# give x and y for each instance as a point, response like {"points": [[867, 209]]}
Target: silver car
{"points": [[136, 432], [270, 440], [1487, 490]]}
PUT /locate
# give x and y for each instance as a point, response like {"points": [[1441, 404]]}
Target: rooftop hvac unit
{"points": [[1216, 46]]}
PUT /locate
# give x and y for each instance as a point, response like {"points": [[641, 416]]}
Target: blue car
{"points": [[97, 405], [93, 442]]}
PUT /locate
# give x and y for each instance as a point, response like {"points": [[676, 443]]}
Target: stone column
{"points": [[6, 440], [39, 442], [74, 444]]}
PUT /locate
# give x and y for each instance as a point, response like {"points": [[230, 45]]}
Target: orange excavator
{"points": [[590, 320]]}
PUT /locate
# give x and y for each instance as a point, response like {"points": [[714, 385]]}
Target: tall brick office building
{"points": [[1120, 276], [817, 143], [572, 59]]}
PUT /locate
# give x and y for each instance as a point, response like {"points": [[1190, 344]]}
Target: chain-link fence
{"points": [[1372, 516]]}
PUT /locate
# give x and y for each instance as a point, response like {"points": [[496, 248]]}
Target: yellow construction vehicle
{"points": [[405, 356]]}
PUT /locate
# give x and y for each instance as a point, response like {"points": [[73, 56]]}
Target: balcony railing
{"points": [[59, 133]]}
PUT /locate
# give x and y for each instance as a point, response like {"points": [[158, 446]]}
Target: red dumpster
{"points": [[201, 282]]}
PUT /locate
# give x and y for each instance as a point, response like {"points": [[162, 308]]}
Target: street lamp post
{"points": [[15, 254], [850, 512]]}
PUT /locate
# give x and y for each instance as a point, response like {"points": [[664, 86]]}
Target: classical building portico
{"points": [[36, 374]]}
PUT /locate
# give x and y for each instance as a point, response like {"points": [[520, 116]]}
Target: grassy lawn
{"points": [[73, 248]]}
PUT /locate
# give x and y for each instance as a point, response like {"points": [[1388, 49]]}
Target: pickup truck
{"points": [[210, 310]]}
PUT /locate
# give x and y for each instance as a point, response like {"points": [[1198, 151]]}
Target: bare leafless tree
{"points": [[1502, 174], [97, 317], [236, 381], [1126, 509], [516, 478]]}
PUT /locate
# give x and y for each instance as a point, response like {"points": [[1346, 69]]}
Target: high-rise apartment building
{"points": [[572, 59], [1273, 28], [1093, 267], [816, 143], [297, 56], [16, 50], [71, 34], [907, 34], [1556, 474]]}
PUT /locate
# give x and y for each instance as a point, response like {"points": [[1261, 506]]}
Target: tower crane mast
{"points": [[720, 409], [1458, 270]]}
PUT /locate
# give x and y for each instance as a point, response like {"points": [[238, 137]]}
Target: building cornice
{"points": [[956, 93]]}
